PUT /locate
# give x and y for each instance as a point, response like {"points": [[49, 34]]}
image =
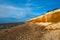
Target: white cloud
{"points": [[15, 12], [10, 11]]}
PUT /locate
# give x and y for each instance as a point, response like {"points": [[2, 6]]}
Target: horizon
{"points": [[22, 10]]}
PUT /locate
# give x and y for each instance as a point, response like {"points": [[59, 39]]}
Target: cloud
{"points": [[7, 11], [8, 7], [11, 11]]}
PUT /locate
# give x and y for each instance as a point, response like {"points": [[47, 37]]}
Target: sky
{"points": [[22, 10]]}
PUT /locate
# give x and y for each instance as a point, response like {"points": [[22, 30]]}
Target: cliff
{"points": [[52, 16], [44, 27]]}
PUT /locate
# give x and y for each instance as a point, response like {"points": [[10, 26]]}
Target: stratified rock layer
{"points": [[53, 16]]}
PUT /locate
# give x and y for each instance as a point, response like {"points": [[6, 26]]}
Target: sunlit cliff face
{"points": [[52, 16]]}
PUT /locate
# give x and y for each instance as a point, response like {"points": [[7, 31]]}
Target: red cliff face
{"points": [[52, 16]]}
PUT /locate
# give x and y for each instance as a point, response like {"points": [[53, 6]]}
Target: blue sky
{"points": [[22, 10]]}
